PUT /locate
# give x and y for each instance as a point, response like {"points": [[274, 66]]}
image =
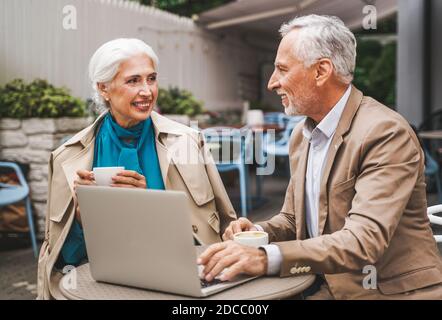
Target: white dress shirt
{"points": [[319, 138]]}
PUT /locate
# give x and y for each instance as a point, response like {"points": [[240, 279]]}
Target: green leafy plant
{"points": [[176, 101], [38, 99], [375, 72]]}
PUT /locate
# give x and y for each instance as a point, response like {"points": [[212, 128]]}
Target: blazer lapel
{"points": [[343, 127]]}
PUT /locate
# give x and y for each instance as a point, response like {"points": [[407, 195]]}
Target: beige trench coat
{"points": [[186, 165]]}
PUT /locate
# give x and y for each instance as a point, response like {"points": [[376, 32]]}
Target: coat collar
{"points": [[344, 125], [84, 158], [161, 125]]}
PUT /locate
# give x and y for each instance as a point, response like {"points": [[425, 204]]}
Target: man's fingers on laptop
{"points": [[233, 271], [251, 261], [210, 251], [214, 261], [221, 265]]}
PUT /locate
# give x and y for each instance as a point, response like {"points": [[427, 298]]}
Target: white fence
{"points": [[34, 44]]}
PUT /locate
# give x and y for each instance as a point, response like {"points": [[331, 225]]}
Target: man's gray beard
{"points": [[291, 110]]}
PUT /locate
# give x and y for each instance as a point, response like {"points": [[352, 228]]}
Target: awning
{"points": [[266, 16]]}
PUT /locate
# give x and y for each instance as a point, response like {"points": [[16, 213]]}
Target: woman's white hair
{"points": [[105, 62], [324, 37]]}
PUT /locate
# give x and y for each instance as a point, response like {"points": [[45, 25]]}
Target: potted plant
{"points": [[179, 105]]}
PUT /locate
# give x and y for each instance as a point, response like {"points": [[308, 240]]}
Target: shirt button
{"points": [[195, 228]]}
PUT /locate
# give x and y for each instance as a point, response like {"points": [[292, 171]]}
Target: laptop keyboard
{"points": [[205, 283]]}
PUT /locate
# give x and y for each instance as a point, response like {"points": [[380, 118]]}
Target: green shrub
{"points": [[176, 101], [375, 72], [38, 99]]}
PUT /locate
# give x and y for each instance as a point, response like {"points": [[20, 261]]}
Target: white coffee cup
{"points": [[103, 175], [251, 238], [255, 118]]}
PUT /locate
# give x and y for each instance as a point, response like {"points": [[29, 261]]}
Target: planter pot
{"points": [[31, 141]]}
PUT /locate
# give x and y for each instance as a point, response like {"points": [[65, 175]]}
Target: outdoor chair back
{"points": [[11, 193], [233, 152]]}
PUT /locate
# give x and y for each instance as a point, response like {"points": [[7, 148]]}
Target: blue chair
{"points": [[272, 117], [279, 147], [235, 144], [10, 194], [432, 171]]}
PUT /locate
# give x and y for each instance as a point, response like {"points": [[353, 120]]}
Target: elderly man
{"points": [[356, 205]]}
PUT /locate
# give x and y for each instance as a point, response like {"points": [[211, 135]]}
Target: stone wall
{"points": [[30, 142]]}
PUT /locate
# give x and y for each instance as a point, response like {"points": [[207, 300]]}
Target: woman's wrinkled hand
{"points": [[129, 179], [85, 178]]}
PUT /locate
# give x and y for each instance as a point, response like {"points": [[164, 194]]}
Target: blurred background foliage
{"points": [[19, 99], [375, 73], [176, 101]]}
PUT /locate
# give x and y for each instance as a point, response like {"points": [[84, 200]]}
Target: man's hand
{"points": [[242, 224], [129, 179], [237, 258]]}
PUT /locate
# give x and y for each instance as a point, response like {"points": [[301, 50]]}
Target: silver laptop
{"points": [[143, 238]]}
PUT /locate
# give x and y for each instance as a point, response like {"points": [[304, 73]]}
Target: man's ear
{"points": [[324, 70]]}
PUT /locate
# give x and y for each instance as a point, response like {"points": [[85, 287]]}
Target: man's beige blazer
{"points": [[372, 210]]}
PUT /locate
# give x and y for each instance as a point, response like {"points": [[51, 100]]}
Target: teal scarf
{"points": [[132, 148]]}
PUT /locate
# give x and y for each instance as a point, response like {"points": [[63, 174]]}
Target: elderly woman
{"points": [[157, 153]]}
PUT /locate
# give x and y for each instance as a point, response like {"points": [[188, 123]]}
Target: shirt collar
{"points": [[329, 124]]}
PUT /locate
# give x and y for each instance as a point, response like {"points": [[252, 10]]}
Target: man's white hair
{"points": [[324, 37], [105, 62]]}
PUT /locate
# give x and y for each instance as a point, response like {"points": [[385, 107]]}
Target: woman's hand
{"points": [[85, 178], [129, 179]]}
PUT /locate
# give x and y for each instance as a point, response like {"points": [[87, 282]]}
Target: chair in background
{"points": [[430, 123], [431, 211], [432, 171], [10, 194], [279, 147], [272, 117], [238, 142]]}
